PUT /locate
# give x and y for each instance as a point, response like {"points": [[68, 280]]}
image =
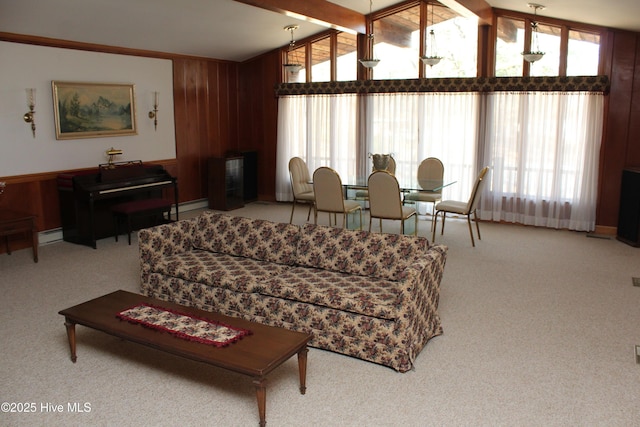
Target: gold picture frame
{"points": [[93, 110]]}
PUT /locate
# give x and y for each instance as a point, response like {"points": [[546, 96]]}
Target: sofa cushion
{"points": [[358, 252], [369, 296], [252, 238], [219, 270]]}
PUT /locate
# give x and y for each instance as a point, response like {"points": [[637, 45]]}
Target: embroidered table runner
{"points": [[183, 325]]}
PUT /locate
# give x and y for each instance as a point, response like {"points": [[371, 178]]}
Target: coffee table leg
{"points": [[71, 335], [261, 394], [302, 367]]}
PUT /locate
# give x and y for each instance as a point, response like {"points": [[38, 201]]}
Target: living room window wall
{"points": [[542, 147]]}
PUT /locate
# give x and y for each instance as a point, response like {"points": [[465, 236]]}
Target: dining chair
{"points": [[462, 208], [327, 187], [301, 185], [363, 194], [385, 201], [430, 171]]}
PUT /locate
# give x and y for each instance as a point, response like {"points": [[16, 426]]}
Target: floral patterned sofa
{"points": [[369, 295]]}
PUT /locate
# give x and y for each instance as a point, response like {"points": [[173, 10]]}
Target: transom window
{"points": [[579, 55]]}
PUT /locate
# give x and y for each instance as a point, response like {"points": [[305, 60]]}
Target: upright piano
{"points": [[86, 197]]}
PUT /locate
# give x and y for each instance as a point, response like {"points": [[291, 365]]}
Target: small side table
{"points": [[12, 222]]}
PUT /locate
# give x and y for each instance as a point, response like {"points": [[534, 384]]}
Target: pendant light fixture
{"points": [[370, 62], [534, 55], [292, 66], [432, 57]]}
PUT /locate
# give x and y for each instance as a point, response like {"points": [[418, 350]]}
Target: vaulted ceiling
{"points": [[239, 30]]}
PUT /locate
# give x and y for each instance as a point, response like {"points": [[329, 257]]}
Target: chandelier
{"points": [[534, 55], [432, 57], [292, 66], [370, 62]]}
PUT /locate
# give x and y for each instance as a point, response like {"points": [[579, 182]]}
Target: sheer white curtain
{"points": [[542, 147], [543, 150], [414, 126], [449, 131], [321, 129]]}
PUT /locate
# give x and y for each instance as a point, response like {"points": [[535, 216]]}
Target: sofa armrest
{"points": [[419, 298], [164, 240]]}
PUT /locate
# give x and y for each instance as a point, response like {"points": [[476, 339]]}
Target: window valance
{"points": [[476, 84]]}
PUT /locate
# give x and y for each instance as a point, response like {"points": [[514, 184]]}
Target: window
{"points": [[584, 53], [579, 57], [549, 43], [399, 41], [509, 47], [347, 55], [321, 60], [456, 41], [397, 45]]}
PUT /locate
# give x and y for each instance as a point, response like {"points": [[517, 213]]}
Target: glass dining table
{"points": [[354, 185]]}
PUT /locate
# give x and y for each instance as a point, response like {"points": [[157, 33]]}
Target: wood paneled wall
{"points": [[621, 142], [259, 116], [205, 94]]}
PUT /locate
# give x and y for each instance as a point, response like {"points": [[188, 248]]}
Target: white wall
{"points": [[24, 66]]}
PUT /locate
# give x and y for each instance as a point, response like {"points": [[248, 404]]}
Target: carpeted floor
{"points": [[539, 330]]}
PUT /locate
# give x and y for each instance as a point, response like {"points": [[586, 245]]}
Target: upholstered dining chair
{"points": [[462, 208], [300, 185], [430, 171], [390, 167], [327, 187], [385, 201]]}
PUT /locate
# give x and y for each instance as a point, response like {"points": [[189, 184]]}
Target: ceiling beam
{"points": [[319, 12], [478, 9]]}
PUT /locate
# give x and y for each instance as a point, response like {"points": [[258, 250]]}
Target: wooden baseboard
{"points": [[606, 230]]}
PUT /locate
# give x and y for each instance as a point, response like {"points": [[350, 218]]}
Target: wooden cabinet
{"points": [[629, 215], [226, 183]]}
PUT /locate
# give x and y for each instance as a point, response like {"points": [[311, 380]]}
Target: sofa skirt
{"points": [[392, 343]]}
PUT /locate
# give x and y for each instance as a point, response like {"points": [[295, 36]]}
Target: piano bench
{"points": [[138, 208]]}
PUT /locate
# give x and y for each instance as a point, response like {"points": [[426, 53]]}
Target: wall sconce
{"points": [[31, 103], [154, 114]]}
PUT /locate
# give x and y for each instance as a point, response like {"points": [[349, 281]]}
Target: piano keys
{"points": [[86, 197]]}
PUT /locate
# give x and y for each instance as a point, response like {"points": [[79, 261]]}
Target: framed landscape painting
{"points": [[90, 110]]}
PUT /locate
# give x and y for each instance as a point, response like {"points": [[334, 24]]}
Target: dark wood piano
{"points": [[86, 197]]}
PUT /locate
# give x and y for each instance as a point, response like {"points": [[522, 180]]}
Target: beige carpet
{"points": [[539, 330]]}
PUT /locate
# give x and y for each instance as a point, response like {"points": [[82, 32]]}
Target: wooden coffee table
{"points": [[254, 355]]}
